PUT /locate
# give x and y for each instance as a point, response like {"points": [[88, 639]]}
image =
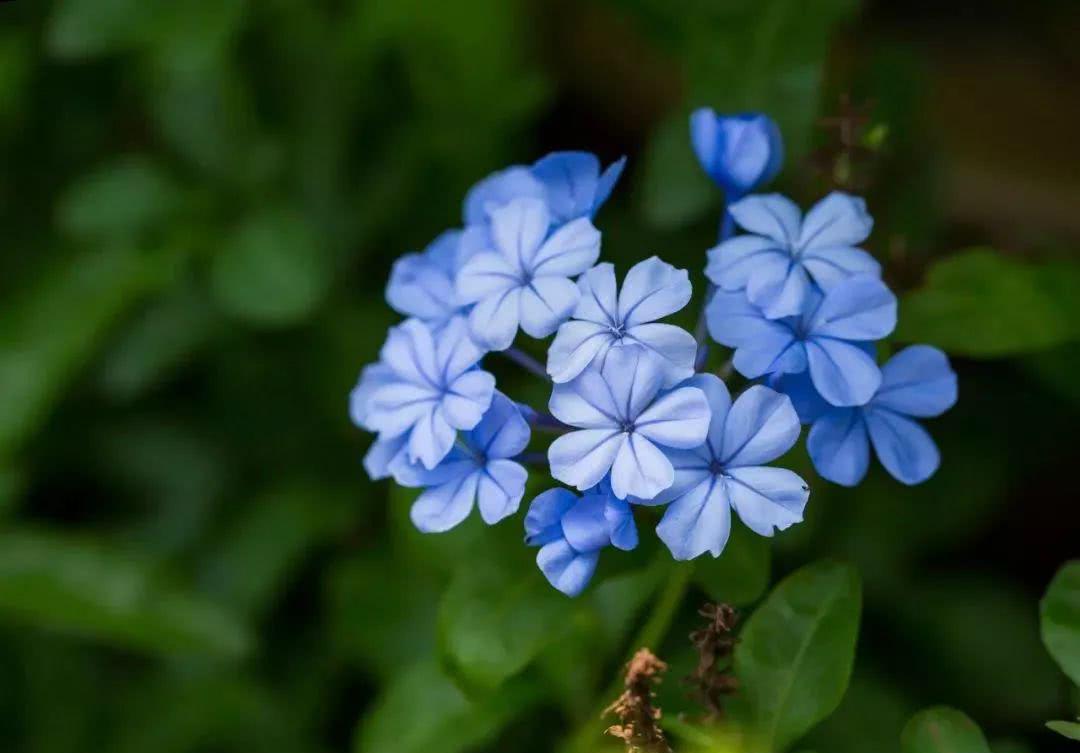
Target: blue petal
{"points": [[767, 499], [493, 322], [456, 352], [839, 219], [567, 570], [467, 398], [503, 432], [917, 381], [904, 447], [761, 426], [442, 507], [735, 261], [430, 439], [575, 346], [582, 458], [675, 347], [498, 189], [485, 274], [858, 308], [839, 446], [569, 251], [761, 345], [652, 290], [422, 285], [842, 372], [372, 377], [518, 229], [807, 401], [599, 300], [699, 521], [678, 419], [832, 264], [571, 180], [640, 469], [500, 489], [384, 457], [586, 402], [547, 302], [786, 295], [410, 351], [543, 522], [620, 524], [584, 525], [608, 179], [771, 215], [719, 399], [739, 152], [634, 376]]}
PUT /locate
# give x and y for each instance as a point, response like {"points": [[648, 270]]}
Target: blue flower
{"points": [[422, 285], [623, 417], [478, 471], [384, 456], [787, 254], [570, 182], [524, 278], [917, 383], [424, 391], [739, 152], [571, 532], [728, 471], [653, 289], [833, 339]]}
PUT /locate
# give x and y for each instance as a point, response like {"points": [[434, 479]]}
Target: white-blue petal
{"points": [[599, 301], [485, 274], [771, 215], [571, 180], [586, 402], [675, 347], [839, 219], [761, 426], [634, 376], [678, 419], [467, 398], [493, 322], [503, 432], [518, 230], [410, 351], [858, 308], [786, 296], [903, 446], [442, 507], [607, 182], [575, 346], [832, 264], [917, 381], [640, 469], [498, 189], [652, 290], [385, 456], [500, 489], [839, 446], [543, 522], [372, 377], [547, 302], [620, 524], [585, 526], [843, 373], [430, 439], [569, 251], [736, 260], [582, 458], [699, 521], [767, 499]]}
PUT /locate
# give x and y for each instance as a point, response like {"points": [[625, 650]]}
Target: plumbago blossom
{"points": [[639, 420]]}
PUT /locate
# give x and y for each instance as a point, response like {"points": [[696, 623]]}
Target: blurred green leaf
{"points": [[1070, 730], [271, 270], [984, 305], [422, 710], [795, 654], [118, 201], [674, 188], [740, 574], [54, 326], [942, 730], [493, 621], [86, 28], [1060, 615], [56, 582]]}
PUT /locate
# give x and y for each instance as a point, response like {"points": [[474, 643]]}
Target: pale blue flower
{"points": [[422, 284], [786, 256], [739, 152], [479, 470], [728, 472], [833, 339], [425, 390], [523, 280], [917, 383], [571, 532], [652, 290], [571, 184], [624, 420]]}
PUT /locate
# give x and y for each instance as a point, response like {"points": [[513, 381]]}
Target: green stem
{"points": [[586, 738]]}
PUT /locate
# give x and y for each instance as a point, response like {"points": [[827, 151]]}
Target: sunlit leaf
{"points": [[1070, 730], [1060, 613], [942, 730]]}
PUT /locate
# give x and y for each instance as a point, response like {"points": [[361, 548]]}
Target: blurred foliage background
{"points": [[201, 202]]}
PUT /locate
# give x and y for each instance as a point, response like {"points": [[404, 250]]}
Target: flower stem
{"points": [[546, 422], [532, 458], [525, 361], [701, 330]]}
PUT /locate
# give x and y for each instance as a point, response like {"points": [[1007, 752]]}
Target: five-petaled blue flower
{"points": [[571, 532], [729, 471], [787, 256], [479, 470], [571, 184], [624, 419], [652, 290], [739, 152], [422, 285], [524, 279], [426, 389], [833, 339], [917, 383]]}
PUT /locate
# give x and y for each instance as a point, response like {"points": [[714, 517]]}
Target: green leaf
{"points": [[118, 200], [493, 622], [87, 28], [51, 330], [795, 655], [1060, 616], [942, 730], [1070, 730], [984, 305], [740, 574], [422, 710], [61, 583], [271, 270]]}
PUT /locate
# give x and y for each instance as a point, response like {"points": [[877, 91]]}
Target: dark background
{"points": [[200, 204]]}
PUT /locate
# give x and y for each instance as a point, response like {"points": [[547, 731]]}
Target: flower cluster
{"points": [[638, 419]]}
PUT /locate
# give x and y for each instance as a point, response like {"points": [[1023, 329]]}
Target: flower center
{"points": [[716, 468], [626, 426], [617, 330]]}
